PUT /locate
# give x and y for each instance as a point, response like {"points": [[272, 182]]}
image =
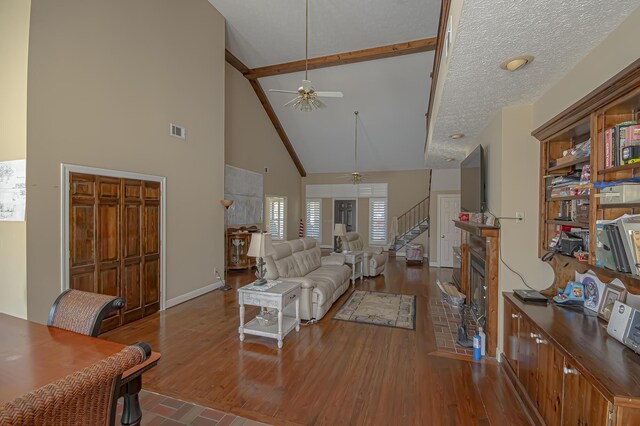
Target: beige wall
{"points": [[14, 47], [615, 53], [405, 189], [512, 186], [252, 143], [105, 81]]}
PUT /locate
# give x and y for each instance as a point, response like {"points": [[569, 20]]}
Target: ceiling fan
{"points": [[307, 99], [356, 177]]}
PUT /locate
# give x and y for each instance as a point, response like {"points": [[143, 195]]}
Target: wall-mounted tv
{"points": [[472, 182]]}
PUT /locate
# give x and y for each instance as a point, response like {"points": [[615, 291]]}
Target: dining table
{"points": [[33, 355]]}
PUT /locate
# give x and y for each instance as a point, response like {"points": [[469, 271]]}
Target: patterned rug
{"points": [[372, 307]]}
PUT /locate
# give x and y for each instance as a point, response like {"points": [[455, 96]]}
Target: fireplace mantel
{"points": [[482, 239]]}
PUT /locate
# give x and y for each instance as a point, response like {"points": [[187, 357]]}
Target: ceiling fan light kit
{"points": [[307, 99]]}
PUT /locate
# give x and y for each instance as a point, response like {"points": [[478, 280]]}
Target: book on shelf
{"points": [[604, 251], [618, 137]]}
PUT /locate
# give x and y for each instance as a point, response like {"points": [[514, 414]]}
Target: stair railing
{"points": [[413, 217]]}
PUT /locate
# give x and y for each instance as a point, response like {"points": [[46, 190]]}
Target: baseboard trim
{"points": [[193, 294], [434, 264]]}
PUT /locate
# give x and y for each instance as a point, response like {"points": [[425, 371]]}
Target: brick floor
{"points": [[160, 410], [445, 319]]}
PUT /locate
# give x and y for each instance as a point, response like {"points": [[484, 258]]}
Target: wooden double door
{"points": [[114, 242]]}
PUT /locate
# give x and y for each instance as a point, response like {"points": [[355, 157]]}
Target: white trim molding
{"points": [[193, 294], [65, 171]]}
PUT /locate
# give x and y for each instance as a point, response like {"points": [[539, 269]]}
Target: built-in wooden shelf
{"points": [[569, 164], [619, 169], [568, 222], [569, 198], [478, 229], [618, 206]]}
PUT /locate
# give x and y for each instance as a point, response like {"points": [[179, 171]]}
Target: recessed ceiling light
{"points": [[516, 63], [457, 136], [449, 159]]}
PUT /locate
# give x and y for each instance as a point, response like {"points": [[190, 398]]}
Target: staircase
{"points": [[412, 223]]}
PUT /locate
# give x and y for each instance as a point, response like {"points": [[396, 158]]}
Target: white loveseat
{"points": [[375, 259], [323, 279]]}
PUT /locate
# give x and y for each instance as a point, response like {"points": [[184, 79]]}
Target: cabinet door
{"points": [[549, 383], [528, 358], [511, 329], [582, 404]]}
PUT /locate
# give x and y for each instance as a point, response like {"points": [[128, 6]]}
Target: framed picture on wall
{"points": [[611, 294]]}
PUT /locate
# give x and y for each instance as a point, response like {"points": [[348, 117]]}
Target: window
{"points": [[276, 217], [314, 219], [378, 221]]}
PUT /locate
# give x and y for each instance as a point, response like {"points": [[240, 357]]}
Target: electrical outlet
{"points": [[519, 217]]}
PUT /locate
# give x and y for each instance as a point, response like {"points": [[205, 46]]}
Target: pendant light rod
{"points": [[356, 137], [306, 42]]}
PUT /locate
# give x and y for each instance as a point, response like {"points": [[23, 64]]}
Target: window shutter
{"points": [[276, 217], [314, 220], [378, 221]]}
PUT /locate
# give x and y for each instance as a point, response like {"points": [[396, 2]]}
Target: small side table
{"points": [[356, 260], [276, 297]]}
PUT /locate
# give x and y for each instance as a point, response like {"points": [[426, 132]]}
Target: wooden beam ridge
{"points": [[276, 124], [262, 97], [398, 49], [235, 62], [442, 27]]}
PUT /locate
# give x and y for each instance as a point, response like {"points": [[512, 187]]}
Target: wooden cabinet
{"points": [[566, 369], [238, 241], [582, 403], [511, 336]]}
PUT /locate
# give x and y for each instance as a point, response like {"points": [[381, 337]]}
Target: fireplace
{"points": [[477, 286]]}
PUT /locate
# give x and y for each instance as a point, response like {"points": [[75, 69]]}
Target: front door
{"points": [[448, 209], [344, 211]]}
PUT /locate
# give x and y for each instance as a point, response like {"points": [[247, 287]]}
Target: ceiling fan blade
{"points": [[291, 102], [283, 91], [306, 85], [329, 94]]}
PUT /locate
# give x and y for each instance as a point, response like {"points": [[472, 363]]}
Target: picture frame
{"points": [[611, 294]]}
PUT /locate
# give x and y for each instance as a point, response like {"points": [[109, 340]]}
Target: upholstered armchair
{"points": [[375, 258]]}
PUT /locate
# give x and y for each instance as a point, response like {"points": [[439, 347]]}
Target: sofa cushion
{"points": [[296, 245], [352, 242], [307, 260], [333, 274], [309, 243], [281, 263]]}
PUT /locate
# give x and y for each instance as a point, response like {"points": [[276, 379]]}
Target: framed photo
{"points": [[491, 220], [611, 294], [593, 290]]}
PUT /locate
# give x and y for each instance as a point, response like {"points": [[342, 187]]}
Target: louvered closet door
{"points": [[115, 242]]}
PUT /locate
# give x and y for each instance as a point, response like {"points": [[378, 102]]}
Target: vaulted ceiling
{"points": [[391, 94]]}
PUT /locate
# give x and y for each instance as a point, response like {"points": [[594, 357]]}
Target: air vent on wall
{"points": [[177, 131]]}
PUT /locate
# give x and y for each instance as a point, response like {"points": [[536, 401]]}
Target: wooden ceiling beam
{"points": [[389, 51], [276, 124], [235, 62]]}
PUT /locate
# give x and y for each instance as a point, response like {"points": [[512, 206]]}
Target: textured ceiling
{"points": [[390, 94], [558, 33], [261, 32]]}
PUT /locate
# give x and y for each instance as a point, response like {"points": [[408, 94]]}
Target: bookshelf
{"points": [[616, 101]]}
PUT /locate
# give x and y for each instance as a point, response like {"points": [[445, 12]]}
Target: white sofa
{"points": [[323, 279], [375, 258]]}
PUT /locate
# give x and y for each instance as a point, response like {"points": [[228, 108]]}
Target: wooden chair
{"points": [[86, 397], [82, 312]]}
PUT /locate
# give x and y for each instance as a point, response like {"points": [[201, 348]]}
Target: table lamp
{"points": [[260, 247], [340, 231]]}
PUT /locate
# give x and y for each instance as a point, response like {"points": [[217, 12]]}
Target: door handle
{"points": [[442, 236]]}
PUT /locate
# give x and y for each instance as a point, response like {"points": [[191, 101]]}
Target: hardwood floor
{"points": [[330, 373]]}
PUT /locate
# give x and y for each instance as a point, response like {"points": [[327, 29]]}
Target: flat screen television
{"points": [[472, 177]]}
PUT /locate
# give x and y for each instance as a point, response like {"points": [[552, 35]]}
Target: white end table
{"points": [[356, 260], [277, 297]]}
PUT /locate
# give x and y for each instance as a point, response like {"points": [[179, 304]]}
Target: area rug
{"points": [[372, 307]]}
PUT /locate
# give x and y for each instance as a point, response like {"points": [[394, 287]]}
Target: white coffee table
{"points": [[356, 260], [277, 297]]}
